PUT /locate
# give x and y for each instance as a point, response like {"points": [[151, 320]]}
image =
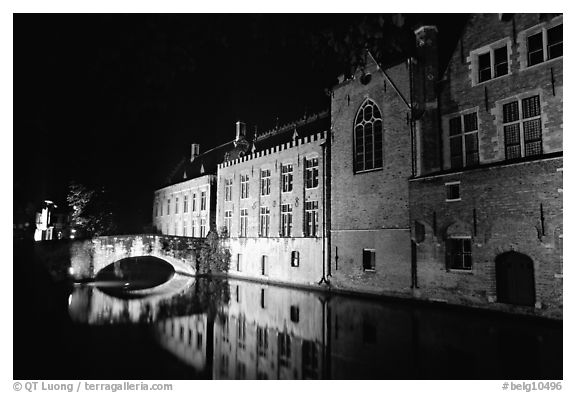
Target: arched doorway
{"points": [[515, 279]]}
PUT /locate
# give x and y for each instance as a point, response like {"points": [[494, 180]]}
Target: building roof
{"points": [[204, 164]]}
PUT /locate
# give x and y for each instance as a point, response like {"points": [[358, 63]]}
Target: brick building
{"points": [[438, 178], [270, 202], [486, 200]]}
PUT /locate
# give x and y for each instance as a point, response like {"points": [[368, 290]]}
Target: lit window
{"points": [[228, 220], [244, 186], [459, 253], [546, 44], [228, 190], [311, 218], [243, 222], [261, 341], [463, 134], [295, 259], [453, 191], [265, 182], [368, 138], [286, 220], [202, 227], [284, 348], [264, 221], [522, 134], [311, 172], [287, 177], [369, 259], [203, 200]]}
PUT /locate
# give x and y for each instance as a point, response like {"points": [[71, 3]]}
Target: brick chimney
{"points": [[240, 130], [425, 76], [195, 151]]}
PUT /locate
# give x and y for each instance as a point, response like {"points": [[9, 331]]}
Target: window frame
{"points": [[265, 181], [228, 190], [372, 267], [203, 198], [447, 186], [287, 177], [311, 173], [264, 223], [490, 50], [243, 223], [463, 134], [228, 220], [362, 123], [542, 29], [450, 254], [311, 219], [295, 258], [286, 220], [519, 101], [244, 186]]}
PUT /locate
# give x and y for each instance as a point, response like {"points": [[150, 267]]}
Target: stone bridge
{"points": [[90, 256]]}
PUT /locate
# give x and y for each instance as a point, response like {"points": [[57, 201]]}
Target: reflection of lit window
{"points": [[284, 348]]}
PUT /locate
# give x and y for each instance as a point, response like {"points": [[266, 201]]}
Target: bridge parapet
{"points": [[91, 256]]}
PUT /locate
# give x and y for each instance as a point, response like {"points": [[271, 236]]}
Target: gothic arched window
{"points": [[368, 138]]}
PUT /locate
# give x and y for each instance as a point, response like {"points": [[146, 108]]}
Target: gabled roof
{"points": [[204, 164]]}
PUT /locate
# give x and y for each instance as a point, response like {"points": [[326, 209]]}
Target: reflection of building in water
{"points": [[186, 337], [269, 333]]}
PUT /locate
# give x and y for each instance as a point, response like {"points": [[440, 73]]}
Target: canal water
{"points": [[229, 329]]}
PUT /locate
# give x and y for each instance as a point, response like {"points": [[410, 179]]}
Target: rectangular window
{"points": [[168, 208], [287, 177], [228, 190], [176, 206], [452, 191], [311, 172], [493, 62], [203, 200], [459, 253], [295, 259], [311, 219], [546, 44], [265, 182], [161, 209], [202, 227], [286, 220], [193, 228], [263, 296], [369, 260], [228, 220], [238, 268], [185, 203], [264, 221], [244, 186], [243, 222], [194, 202], [463, 135], [156, 209], [198, 340], [184, 229], [522, 134]]}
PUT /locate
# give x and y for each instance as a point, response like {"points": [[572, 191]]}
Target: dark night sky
{"points": [[116, 100]]}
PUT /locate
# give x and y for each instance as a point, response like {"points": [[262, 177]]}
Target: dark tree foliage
{"points": [[92, 213]]}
